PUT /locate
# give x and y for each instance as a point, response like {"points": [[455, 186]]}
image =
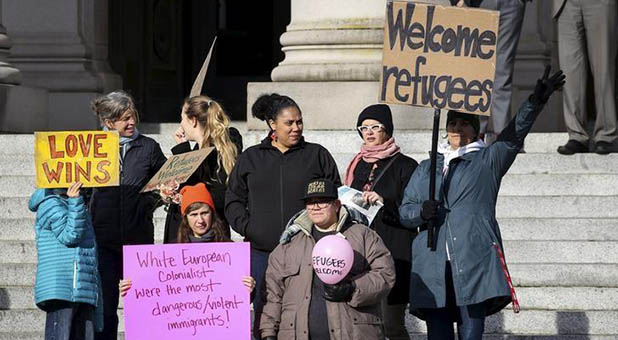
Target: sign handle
{"points": [[431, 225]]}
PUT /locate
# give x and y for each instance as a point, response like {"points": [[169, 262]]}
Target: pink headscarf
{"points": [[371, 154]]}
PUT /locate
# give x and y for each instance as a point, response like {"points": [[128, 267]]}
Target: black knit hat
{"points": [[470, 118], [379, 112]]}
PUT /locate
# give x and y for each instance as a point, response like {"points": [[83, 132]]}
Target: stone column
{"points": [[61, 46], [22, 109], [8, 73], [333, 56]]}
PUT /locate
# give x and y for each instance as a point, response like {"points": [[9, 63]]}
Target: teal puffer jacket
{"points": [[67, 267]]}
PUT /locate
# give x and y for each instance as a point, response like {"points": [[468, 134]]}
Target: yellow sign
{"points": [[65, 157], [441, 57]]}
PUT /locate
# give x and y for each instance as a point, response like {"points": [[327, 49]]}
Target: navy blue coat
{"points": [[467, 221]]}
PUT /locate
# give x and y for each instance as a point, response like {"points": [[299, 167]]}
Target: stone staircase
{"points": [[558, 216]]}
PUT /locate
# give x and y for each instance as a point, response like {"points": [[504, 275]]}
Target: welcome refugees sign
{"points": [[439, 56], [187, 291]]}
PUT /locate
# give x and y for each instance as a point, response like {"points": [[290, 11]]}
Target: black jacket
{"points": [[396, 237], [205, 173], [122, 215], [266, 188]]}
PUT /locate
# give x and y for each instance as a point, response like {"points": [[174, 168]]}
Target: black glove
{"points": [[546, 86], [429, 211], [340, 292]]}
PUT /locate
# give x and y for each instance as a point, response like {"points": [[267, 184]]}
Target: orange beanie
{"points": [[195, 193]]}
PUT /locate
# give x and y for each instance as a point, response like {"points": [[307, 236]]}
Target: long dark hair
{"points": [[217, 225]]}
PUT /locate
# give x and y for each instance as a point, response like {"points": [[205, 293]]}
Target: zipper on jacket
{"points": [[74, 274], [281, 190]]}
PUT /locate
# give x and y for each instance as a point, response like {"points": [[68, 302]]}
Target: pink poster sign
{"points": [[187, 291]]}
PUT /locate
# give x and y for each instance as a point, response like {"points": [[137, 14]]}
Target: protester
{"points": [[509, 29], [122, 215], [587, 38], [67, 283], [204, 121], [465, 279], [266, 187], [200, 224], [381, 172], [298, 304]]}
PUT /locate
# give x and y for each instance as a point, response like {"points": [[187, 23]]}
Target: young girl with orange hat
{"points": [[200, 223]]}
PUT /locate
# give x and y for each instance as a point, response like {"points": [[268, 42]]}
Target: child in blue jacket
{"points": [[67, 279]]}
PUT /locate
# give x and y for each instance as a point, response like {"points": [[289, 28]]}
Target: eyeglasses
{"points": [[374, 128], [318, 204]]}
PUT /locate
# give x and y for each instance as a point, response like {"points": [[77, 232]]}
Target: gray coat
{"points": [[467, 221]]}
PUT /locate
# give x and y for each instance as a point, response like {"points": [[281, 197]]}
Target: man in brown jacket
{"points": [[299, 305]]}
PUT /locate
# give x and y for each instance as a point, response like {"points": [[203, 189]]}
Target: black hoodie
{"points": [[266, 188]]}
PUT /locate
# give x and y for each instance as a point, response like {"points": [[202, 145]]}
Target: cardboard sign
{"points": [[178, 168], [187, 291], [439, 56], [65, 157]]}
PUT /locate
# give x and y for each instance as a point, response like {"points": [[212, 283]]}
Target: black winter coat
{"points": [[122, 215], [398, 239], [205, 173], [266, 188]]}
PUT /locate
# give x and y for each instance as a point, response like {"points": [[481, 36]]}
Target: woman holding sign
{"points": [[200, 223], [465, 278], [381, 172], [266, 187], [122, 215], [204, 121]]}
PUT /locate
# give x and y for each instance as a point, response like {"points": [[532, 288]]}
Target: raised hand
{"points": [[547, 85], [179, 135], [73, 190]]}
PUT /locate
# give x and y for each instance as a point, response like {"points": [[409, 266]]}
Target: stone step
{"points": [[564, 275], [537, 323], [532, 229], [528, 322], [523, 274], [516, 252], [592, 252], [530, 298], [527, 163], [336, 141], [512, 185], [507, 207], [413, 336], [559, 229]]}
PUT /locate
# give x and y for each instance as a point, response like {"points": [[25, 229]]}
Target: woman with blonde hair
{"points": [[204, 121]]}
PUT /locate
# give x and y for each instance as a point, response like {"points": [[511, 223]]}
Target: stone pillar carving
{"points": [[61, 46], [8, 73], [333, 57]]}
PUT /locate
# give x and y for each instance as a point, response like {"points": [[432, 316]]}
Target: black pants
{"points": [[110, 269], [470, 319]]}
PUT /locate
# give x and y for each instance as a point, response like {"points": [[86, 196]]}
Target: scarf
{"points": [[125, 142], [208, 237], [371, 154], [450, 154]]}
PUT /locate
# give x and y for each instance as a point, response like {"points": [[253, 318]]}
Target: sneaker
{"points": [[603, 148], [572, 147]]}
